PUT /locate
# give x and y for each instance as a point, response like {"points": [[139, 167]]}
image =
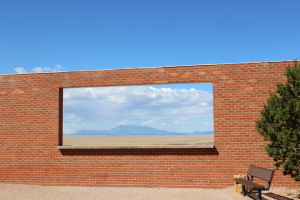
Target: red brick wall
{"points": [[30, 130]]}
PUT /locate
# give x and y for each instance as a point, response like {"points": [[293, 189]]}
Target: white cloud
{"points": [[125, 122], [148, 123], [44, 69], [69, 116], [57, 68], [121, 123], [137, 101], [75, 125], [37, 69], [163, 124], [20, 70]]}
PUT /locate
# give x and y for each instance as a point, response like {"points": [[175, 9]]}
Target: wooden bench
{"points": [[258, 172]]}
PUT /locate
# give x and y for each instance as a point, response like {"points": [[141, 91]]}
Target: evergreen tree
{"points": [[280, 123]]}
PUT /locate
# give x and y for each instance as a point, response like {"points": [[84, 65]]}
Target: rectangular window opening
{"points": [[140, 116]]}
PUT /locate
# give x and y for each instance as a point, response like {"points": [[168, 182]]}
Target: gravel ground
{"points": [[37, 192]]}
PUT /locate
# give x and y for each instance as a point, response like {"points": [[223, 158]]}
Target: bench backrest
{"points": [[262, 173]]}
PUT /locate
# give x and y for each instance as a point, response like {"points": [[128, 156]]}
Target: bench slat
{"points": [[262, 173], [249, 184]]}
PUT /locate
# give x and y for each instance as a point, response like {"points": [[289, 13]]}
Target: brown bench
{"points": [[258, 172]]}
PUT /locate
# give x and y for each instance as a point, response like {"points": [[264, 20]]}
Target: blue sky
{"points": [[183, 108], [69, 35]]}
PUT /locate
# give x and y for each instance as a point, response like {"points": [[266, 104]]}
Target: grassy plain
{"points": [[95, 140]]}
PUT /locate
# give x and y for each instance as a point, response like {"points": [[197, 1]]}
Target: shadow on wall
{"points": [[149, 152]]}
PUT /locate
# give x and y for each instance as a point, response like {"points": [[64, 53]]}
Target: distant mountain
{"points": [[202, 133], [136, 130]]}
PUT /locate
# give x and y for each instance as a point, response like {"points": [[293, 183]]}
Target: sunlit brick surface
{"points": [[31, 120]]}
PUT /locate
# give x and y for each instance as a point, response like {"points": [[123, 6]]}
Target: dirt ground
{"points": [[37, 192], [86, 140]]}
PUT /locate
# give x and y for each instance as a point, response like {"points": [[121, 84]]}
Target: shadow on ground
{"points": [[269, 194]]}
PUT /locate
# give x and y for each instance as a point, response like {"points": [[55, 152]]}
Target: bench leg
{"points": [[259, 194], [244, 190]]}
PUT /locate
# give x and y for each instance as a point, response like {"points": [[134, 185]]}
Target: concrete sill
{"points": [[139, 147]]}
